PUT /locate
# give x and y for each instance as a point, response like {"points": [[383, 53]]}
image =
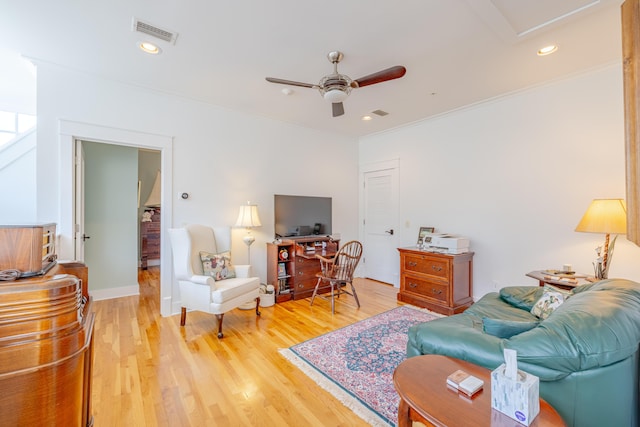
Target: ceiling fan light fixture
{"points": [[335, 95], [335, 87]]}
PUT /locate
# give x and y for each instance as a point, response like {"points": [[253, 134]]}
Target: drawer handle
{"points": [[412, 263], [413, 285], [436, 291], [436, 268]]}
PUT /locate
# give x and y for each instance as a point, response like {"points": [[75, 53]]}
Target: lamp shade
{"points": [[248, 216], [608, 216], [154, 197]]}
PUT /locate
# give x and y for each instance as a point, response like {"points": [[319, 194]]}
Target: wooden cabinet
{"points": [[307, 266], [150, 240], [440, 282], [294, 274], [27, 248], [280, 269], [46, 342]]}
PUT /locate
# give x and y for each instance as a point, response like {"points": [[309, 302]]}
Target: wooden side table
{"points": [[421, 382], [564, 281]]}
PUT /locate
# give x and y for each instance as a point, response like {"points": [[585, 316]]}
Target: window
{"points": [[14, 124]]}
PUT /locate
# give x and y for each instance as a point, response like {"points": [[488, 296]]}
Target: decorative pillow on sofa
{"points": [[551, 299], [217, 266], [506, 328]]}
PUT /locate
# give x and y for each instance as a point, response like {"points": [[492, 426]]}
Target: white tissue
{"points": [[511, 364]]}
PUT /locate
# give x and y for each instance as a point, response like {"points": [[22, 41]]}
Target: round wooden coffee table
{"points": [[421, 382]]}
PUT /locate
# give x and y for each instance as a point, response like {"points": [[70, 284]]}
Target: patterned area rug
{"points": [[356, 363]]}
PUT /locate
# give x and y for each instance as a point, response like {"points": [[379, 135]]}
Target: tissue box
{"points": [[518, 399]]}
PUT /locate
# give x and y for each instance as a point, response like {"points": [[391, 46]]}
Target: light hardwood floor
{"points": [[149, 371]]}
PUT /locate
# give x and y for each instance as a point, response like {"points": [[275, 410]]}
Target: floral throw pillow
{"points": [[217, 266], [551, 299]]}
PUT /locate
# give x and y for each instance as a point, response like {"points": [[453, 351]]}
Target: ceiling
{"points": [[457, 52]]}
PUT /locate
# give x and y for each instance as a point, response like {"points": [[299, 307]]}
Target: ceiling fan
{"points": [[336, 87]]}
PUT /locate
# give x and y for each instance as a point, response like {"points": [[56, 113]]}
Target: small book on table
{"points": [[464, 382]]}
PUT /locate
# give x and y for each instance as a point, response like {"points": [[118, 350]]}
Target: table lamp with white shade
{"points": [[248, 218], [606, 216]]}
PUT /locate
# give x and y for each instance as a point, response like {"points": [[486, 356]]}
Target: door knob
{"points": [[389, 231], [85, 237]]}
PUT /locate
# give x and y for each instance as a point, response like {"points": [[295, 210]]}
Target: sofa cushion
{"points": [[502, 328], [551, 299], [226, 290], [217, 266], [523, 297]]}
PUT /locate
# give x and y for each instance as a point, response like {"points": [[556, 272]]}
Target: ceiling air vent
{"points": [[380, 113], [152, 30]]}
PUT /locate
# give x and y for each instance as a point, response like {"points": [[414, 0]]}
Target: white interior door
{"points": [[381, 224], [79, 202], [111, 218]]}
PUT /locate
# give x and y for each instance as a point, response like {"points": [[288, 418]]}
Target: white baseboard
{"points": [[176, 307], [110, 293]]}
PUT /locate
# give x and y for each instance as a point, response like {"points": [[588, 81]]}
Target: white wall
{"points": [[220, 157], [17, 188], [515, 175], [18, 181]]}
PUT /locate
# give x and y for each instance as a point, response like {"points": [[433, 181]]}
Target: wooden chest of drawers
{"points": [[305, 281], [440, 282], [150, 236]]}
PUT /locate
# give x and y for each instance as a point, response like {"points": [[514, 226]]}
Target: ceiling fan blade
{"points": [[337, 109], [381, 76], [290, 82]]}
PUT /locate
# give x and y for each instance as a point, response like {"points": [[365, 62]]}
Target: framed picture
{"points": [[423, 232]]}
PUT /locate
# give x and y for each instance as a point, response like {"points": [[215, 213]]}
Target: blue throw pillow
{"points": [[505, 328]]}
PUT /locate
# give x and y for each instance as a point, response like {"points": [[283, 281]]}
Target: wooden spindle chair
{"points": [[337, 272]]}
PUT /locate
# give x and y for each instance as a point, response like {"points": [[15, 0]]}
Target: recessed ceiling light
{"points": [[367, 118], [149, 48], [547, 50], [287, 91]]}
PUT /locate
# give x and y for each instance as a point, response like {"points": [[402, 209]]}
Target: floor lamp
{"points": [[248, 218]]}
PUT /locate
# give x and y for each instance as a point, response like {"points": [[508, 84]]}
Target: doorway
{"points": [[72, 131], [114, 194], [149, 207]]}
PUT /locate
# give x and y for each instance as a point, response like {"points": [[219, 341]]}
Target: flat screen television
{"points": [[300, 216]]}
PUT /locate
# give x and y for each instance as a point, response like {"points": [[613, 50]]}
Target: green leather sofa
{"points": [[586, 352]]}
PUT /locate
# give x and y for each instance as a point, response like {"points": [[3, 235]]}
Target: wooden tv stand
{"points": [[292, 265]]}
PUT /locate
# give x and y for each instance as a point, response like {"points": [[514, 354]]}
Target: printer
{"points": [[445, 243]]}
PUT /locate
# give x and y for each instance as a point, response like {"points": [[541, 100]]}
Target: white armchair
{"points": [[201, 292]]}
